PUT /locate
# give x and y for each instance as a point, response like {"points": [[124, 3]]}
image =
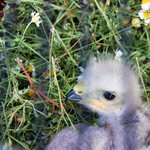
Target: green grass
{"points": [[27, 120]]}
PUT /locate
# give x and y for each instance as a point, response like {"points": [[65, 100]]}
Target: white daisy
{"points": [[144, 15], [136, 22], [145, 4], [35, 18], [119, 54]]}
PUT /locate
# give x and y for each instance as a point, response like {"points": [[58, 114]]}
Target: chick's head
{"points": [[107, 87]]}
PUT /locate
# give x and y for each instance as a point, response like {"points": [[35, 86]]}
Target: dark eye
{"points": [[109, 96]]}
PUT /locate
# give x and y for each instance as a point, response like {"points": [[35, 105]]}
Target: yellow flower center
{"points": [[117, 10], [136, 22], [146, 15], [30, 69], [52, 73], [31, 93], [35, 19], [124, 21], [145, 1]]}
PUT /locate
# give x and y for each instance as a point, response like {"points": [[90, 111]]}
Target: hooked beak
{"points": [[77, 94], [72, 96]]}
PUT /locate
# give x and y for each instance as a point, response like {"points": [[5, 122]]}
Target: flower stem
{"points": [[24, 32], [23, 68]]}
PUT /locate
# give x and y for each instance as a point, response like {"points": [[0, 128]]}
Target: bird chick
{"points": [[111, 89], [106, 85]]}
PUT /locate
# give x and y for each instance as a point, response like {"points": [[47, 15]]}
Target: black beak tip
{"points": [[72, 96]]}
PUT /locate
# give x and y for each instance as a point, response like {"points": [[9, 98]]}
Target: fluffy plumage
{"points": [[111, 89], [68, 138]]}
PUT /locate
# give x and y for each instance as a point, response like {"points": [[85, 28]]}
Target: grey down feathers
{"points": [[111, 89]]}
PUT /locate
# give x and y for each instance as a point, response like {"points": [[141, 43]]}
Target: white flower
{"points": [[33, 74], [16, 68], [147, 21], [77, 55], [145, 4], [35, 18], [119, 54], [32, 69], [20, 92], [144, 15], [17, 60], [65, 26], [136, 22], [26, 90]]}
